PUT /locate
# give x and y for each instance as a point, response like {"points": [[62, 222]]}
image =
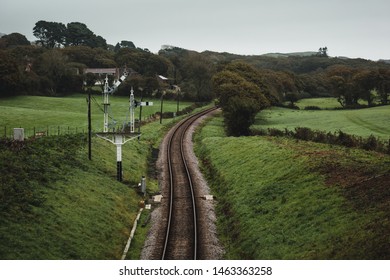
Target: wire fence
{"points": [[29, 132], [54, 130]]}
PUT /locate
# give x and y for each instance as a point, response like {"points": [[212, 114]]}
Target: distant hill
{"points": [[2, 34], [385, 60], [277, 55]]}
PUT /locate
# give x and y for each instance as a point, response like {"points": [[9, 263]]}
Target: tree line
{"points": [[55, 63], [242, 84], [57, 34]]}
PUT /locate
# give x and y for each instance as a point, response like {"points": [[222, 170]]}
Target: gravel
{"points": [[209, 245]]}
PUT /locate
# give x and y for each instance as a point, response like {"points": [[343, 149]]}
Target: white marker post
{"points": [[118, 142]]}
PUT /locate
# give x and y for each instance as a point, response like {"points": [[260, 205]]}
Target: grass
{"points": [[69, 209], [59, 113], [58, 205], [279, 198], [322, 102], [363, 122]]}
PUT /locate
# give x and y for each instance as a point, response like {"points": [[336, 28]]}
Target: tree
{"points": [[97, 41], [240, 101], [191, 70], [271, 83], [198, 76], [366, 81], [9, 78], [90, 57], [56, 74], [292, 97], [50, 34], [384, 85], [124, 44], [13, 40], [343, 86], [78, 34], [239, 114], [323, 52]]}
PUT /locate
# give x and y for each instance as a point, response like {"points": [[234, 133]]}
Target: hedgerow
{"points": [[339, 137]]}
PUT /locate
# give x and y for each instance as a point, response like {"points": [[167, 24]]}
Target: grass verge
{"points": [[279, 198]]}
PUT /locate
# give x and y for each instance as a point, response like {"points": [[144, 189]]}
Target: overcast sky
{"points": [[353, 28]]}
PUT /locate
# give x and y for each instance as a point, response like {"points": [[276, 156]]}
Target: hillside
{"points": [[54, 202], [280, 198], [276, 55]]}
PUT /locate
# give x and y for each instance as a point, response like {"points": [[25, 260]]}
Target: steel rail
{"points": [[183, 126]]}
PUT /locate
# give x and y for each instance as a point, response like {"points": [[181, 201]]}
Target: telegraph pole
{"points": [[161, 110], [140, 114], [89, 126]]}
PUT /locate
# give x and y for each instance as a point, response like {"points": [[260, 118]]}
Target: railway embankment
{"points": [[282, 198]]}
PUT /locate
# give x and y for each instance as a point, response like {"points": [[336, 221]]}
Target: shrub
{"points": [[371, 143], [276, 132], [259, 132], [303, 133], [312, 108], [346, 140]]}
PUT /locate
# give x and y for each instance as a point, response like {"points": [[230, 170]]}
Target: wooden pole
{"points": [[89, 126]]}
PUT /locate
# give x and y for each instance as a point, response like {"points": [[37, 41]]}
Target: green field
{"points": [[280, 198], [55, 203], [323, 103], [362, 122], [276, 198], [59, 113]]}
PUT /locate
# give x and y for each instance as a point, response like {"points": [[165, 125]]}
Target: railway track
{"points": [[181, 234]]}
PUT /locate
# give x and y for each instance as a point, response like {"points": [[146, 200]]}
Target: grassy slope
{"points": [[77, 208], [286, 199], [362, 122], [85, 214]]}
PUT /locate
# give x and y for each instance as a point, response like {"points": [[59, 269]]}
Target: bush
{"points": [[371, 143], [239, 114], [259, 132], [275, 132], [312, 108], [346, 140], [304, 133]]}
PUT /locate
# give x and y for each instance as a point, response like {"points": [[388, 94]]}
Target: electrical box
{"points": [[19, 134]]}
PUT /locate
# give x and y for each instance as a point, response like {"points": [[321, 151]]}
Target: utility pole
{"points": [[89, 126], [140, 113], [162, 102]]}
